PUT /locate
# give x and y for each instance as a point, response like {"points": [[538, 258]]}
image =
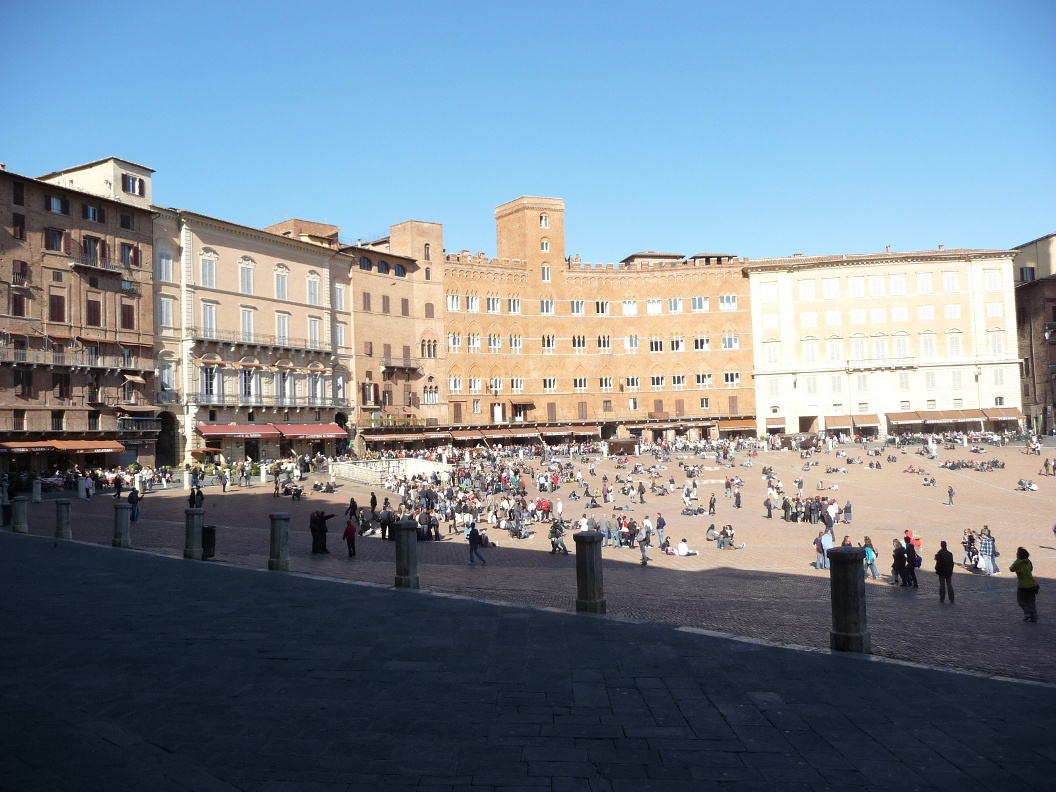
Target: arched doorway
{"points": [[168, 440]]}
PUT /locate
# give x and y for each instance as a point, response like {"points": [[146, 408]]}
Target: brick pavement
{"points": [[769, 591], [132, 671]]}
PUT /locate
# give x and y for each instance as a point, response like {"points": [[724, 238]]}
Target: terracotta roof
{"points": [[298, 227]]}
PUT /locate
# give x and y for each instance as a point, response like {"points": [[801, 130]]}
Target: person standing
{"points": [[350, 535], [820, 562], [988, 552], [1026, 585], [199, 498], [944, 569], [641, 492], [949, 495], [276, 493], [133, 500], [223, 480], [661, 523], [898, 567], [769, 504], [870, 558], [373, 506], [711, 505], [474, 545], [119, 480], [606, 530], [847, 513], [644, 542], [911, 563]]}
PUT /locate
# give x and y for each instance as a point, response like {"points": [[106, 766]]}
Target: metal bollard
{"points": [[280, 542], [192, 542], [20, 523], [36, 491], [62, 519], [590, 587], [850, 626], [406, 554], [122, 513]]}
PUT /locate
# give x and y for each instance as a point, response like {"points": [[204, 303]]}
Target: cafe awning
{"points": [[737, 424], [939, 416], [837, 422], [522, 402], [26, 446], [775, 423], [389, 438], [586, 430], [138, 408], [313, 431], [240, 431], [871, 420], [899, 418], [466, 434], [558, 432], [87, 447], [973, 415], [1003, 413], [511, 432]]}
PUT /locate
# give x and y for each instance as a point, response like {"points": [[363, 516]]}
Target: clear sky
{"points": [[754, 128]]}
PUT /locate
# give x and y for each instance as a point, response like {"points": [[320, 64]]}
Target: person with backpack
{"points": [[474, 545]]}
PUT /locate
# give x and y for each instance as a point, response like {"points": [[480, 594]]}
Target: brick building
{"points": [[77, 382], [1036, 325]]}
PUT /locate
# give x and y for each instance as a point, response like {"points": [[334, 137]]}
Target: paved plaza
{"points": [[768, 591]]}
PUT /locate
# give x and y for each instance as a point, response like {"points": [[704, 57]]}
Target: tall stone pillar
{"points": [[62, 519], [36, 490], [590, 587], [280, 542], [122, 513], [192, 542], [406, 554], [20, 522], [850, 626]]}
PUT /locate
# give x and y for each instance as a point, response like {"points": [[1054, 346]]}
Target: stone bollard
{"points": [[19, 522], [192, 542], [62, 519], [406, 554], [36, 491], [280, 542], [80, 488], [186, 479], [122, 513], [850, 626], [590, 587]]}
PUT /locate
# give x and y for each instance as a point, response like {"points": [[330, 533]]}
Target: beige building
{"points": [[76, 322], [885, 343], [1035, 260]]}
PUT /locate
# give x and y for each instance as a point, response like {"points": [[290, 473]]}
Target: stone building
{"points": [[885, 343], [1036, 321], [77, 383]]}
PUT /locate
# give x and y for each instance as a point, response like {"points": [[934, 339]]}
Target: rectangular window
{"points": [[165, 267], [601, 307], [992, 279], [472, 304], [54, 239], [56, 205], [856, 316], [810, 351], [951, 311], [209, 273], [925, 312], [128, 222], [732, 379], [876, 285], [730, 341], [830, 288], [492, 305], [856, 287], [494, 343], [953, 344], [653, 306], [703, 380], [880, 348], [604, 343], [18, 226], [385, 304], [699, 303], [578, 308], [927, 346], [405, 307], [858, 348], [728, 302], [955, 379], [924, 283], [630, 307], [454, 384], [549, 384], [58, 420], [18, 193], [832, 318], [674, 305], [208, 320], [473, 343], [678, 381], [900, 313], [546, 274], [705, 403], [549, 344], [579, 384], [929, 380], [768, 293], [515, 344], [836, 383], [898, 285], [247, 325], [630, 343], [701, 344], [656, 345], [994, 309], [454, 342], [245, 279], [605, 384], [997, 344], [339, 298], [834, 348], [453, 303], [513, 305], [901, 346], [165, 312], [313, 292], [282, 328], [366, 301], [632, 404], [806, 291], [808, 319], [632, 383], [678, 344], [56, 308], [657, 381], [517, 384], [999, 377], [878, 315], [133, 184], [903, 380], [93, 311], [772, 352], [811, 384], [950, 282], [128, 316], [546, 307]]}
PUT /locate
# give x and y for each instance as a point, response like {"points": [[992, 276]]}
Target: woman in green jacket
{"points": [[1027, 586]]}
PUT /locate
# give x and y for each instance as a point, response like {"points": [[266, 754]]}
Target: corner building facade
{"points": [[540, 344]]}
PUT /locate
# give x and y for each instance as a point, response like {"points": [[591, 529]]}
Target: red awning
{"points": [[26, 446], [246, 431], [315, 431], [88, 446]]}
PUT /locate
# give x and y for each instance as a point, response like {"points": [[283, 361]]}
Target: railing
{"points": [[19, 278], [98, 263], [881, 363], [46, 357], [256, 339], [139, 424], [265, 400], [384, 421], [400, 362], [168, 397]]}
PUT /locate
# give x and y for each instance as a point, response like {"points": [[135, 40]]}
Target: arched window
{"points": [[364, 263], [426, 252], [383, 267], [400, 271], [428, 273], [544, 221]]}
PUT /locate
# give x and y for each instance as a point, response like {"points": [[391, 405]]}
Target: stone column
{"points": [[406, 554], [590, 588], [280, 542], [122, 513], [186, 479], [19, 522], [850, 627], [192, 542], [62, 519], [36, 490]]}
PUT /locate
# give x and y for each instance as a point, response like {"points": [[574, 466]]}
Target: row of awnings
{"points": [[254, 431], [486, 434], [955, 416], [62, 446]]}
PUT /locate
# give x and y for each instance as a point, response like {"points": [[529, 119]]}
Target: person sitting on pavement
{"points": [[683, 549]]}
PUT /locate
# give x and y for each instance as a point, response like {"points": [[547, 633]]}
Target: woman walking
{"points": [[1026, 585], [870, 558]]}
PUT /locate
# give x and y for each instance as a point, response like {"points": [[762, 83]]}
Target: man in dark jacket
{"points": [[317, 525], [911, 564], [944, 569]]}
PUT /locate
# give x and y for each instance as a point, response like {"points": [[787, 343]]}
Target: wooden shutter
{"points": [[582, 410], [428, 310], [658, 405], [680, 407], [67, 242], [733, 405], [84, 211], [551, 411], [142, 187], [405, 307], [103, 250], [124, 182], [386, 350], [368, 347], [135, 256], [377, 393], [102, 215], [47, 202], [65, 206], [406, 353], [457, 412]]}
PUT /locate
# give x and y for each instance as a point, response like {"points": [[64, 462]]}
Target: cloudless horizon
{"points": [[758, 128]]}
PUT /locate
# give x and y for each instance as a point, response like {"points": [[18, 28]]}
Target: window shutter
{"points": [[124, 182], [377, 393], [428, 310], [67, 242], [406, 352], [84, 246], [102, 215], [103, 250], [135, 256], [142, 188], [84, 211], [65, 206], [47, 202]]}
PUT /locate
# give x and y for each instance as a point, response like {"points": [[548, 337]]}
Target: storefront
{"points": [[46, 456], [240, 441], [19, 455], [835, 425], [866, 424], [327, 439], [738, 427]]}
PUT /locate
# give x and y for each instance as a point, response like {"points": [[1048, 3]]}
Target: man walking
{"points": [[711, 505], [474, 545], [944, 569], [949, 494]]}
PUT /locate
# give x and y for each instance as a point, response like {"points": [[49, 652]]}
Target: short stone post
{"points": [[81, 493], [186, 479], [122, 513], [590, 588], [36, 491], [62, 519], [406, 554], [19, 522], [192, 542], [280, 542], [850, 626]]}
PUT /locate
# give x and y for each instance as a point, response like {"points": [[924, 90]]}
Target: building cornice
{"points": [[791, 263]]}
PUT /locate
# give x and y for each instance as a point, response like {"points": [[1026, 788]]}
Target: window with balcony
{"points": [[282, 328], [208, 320], [314, 333], [247, 324]]}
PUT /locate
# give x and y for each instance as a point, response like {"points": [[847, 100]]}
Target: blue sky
{"points": [[755, 128]]}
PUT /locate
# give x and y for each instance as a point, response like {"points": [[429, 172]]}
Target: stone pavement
{"points": [[132, 671], [769, 591]]}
